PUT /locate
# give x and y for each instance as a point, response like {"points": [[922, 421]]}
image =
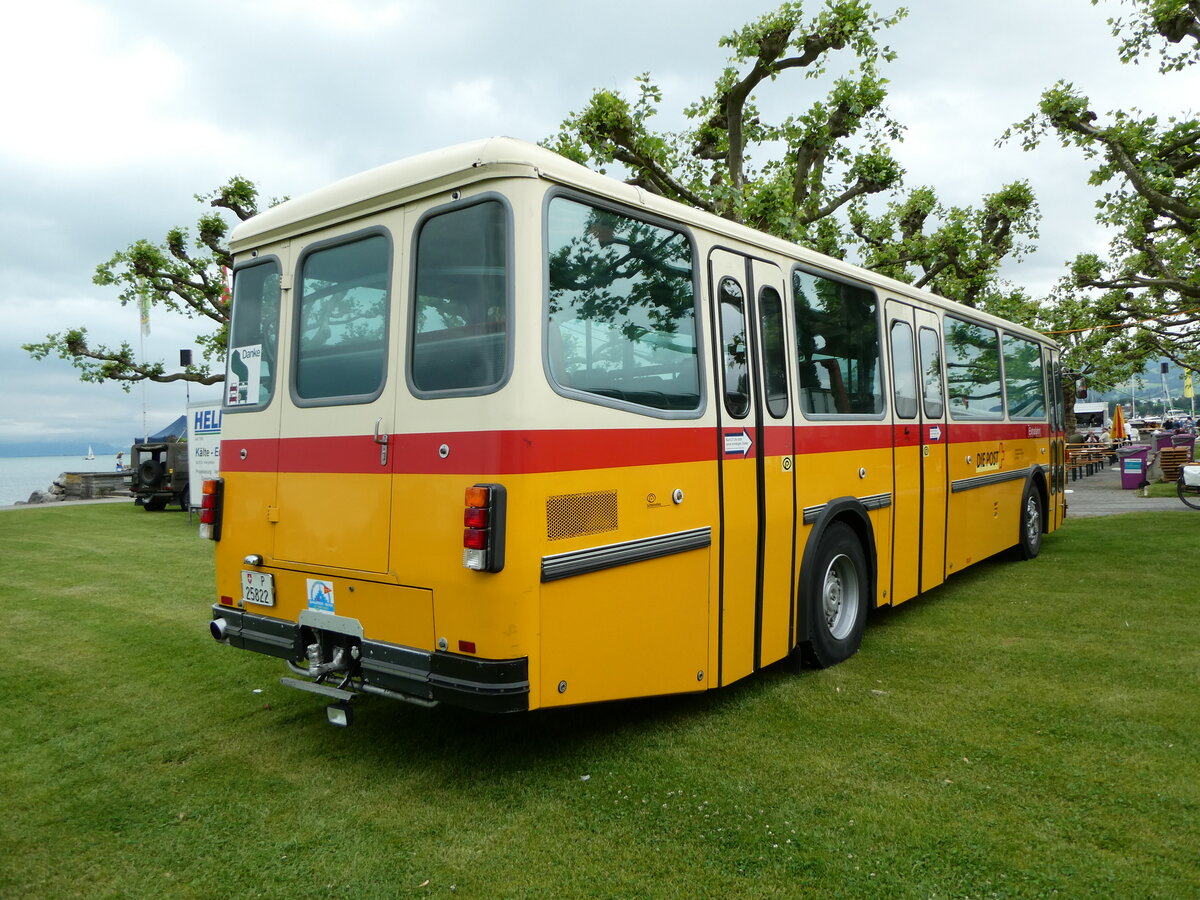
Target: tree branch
{"points": [[1123, 160], [660, 177]]}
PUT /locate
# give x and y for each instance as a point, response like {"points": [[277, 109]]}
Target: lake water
{"points": [[20, 476]]}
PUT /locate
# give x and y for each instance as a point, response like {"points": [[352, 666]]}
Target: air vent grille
{"points": [[572, 515]]}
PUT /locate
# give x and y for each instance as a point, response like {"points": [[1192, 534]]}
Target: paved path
{"points": [[1100, 494]]}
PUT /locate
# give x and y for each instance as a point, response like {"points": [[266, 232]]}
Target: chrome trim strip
{"points": [[593, 559], [969, 484], [874, 501]]}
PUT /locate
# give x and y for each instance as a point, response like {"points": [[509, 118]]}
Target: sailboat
{"points": [[90, 455]]}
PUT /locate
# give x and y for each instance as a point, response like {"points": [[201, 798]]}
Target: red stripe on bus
{"points": [[519, 452], [474, 452], [524, 452], [962, 432], [836, 438]]}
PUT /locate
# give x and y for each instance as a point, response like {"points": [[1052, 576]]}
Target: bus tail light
{"points": [[483, 527], [211, 497]]}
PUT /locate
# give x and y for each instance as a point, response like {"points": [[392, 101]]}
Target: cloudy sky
{"points": [[116, 113]]}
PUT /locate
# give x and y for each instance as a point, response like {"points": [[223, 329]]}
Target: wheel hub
{"points": [[833, 598], [838, 596], [1033, 520]]}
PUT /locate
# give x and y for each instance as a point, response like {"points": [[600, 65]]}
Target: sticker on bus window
{"points": [[243, 375], [320, 595]]}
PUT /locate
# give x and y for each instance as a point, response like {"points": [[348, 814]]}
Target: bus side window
{"points": [[973, 370], [733, 347], [621, 309], [774, 352], [1024, 384], [931, 373], [838, 346], [904, 377]]}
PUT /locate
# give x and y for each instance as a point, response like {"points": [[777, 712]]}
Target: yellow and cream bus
{"points": [[505, 433]]}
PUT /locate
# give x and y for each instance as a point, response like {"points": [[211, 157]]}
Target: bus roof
{"points": [[441, 170]]}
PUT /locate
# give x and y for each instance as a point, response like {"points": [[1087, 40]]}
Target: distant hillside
{"points": [[57, 448], [1149, 393]]}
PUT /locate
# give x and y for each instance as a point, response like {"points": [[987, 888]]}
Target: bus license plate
{"points": [[258, 588]]}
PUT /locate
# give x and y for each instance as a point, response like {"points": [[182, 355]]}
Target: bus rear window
{"points": [[622, 308], [254, 335], [342, 321], [460, 315]]}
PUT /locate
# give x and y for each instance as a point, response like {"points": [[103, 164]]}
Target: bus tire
{"points": [[1029, 543], [836, 596]]}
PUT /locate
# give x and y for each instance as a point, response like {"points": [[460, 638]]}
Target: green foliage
{"points": [[1141, 299], [1153, 25], [1028, 745], [708, 166], [182, 275], [806, 178], [960, 257]]}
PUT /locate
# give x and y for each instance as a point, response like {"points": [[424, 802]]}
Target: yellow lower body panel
{"points": [[630, 631]]}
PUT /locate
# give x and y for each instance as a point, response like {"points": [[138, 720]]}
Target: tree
{"points": [[961, 258], [173, 276], [1155, 21], [832, 157], [1142, 298]]}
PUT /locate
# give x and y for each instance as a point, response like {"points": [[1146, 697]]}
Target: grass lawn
{"points": [[1029, 730], [1164, 489]]}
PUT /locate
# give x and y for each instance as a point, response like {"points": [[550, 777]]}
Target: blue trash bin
{"points": [[1133, 465]]}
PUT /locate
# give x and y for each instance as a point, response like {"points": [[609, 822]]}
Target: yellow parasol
{"points": [[1118, 425]]}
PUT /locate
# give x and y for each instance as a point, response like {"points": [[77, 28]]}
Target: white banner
{"points": [[204, 446]]}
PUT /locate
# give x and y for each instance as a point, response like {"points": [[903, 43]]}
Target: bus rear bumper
{"points": [[487, 685]]}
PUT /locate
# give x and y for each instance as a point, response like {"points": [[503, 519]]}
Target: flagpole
{"points": [[143, 330]]}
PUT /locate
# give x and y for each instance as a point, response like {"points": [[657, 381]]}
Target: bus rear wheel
{"points": [[836, 597]]}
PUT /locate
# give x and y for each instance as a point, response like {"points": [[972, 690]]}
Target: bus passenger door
{"points": [[1058, 438], [918, 451], [934, 449], [756, 464]]}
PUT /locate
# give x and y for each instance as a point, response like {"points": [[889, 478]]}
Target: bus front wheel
{"points": [[1030, 543], [836, 597]]}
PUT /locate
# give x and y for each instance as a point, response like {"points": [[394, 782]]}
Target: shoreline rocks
{"points": [[80, 486], [38, 497]]}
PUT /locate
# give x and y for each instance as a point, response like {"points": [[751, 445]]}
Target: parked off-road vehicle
{"points": [[159, 475]]}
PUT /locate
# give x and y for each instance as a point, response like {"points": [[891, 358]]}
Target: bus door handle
{"points": [[381, 439]]}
